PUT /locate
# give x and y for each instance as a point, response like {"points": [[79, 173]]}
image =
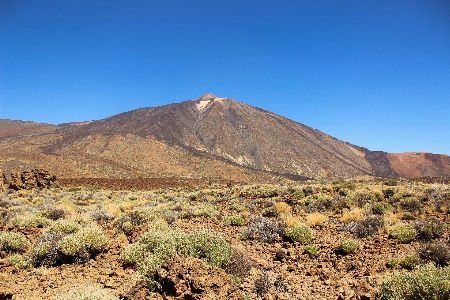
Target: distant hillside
{"points": [[207, 137]]}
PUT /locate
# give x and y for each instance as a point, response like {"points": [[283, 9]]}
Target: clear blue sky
{"points": [[372, 73]]}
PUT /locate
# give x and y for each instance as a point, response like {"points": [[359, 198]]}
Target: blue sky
{"points": [[372, 73]]}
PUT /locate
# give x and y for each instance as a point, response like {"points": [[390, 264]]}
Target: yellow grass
{"points": [[351, 215], [316, 219]]}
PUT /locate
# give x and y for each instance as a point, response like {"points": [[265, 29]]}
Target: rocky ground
{"points": [[278, 269]]}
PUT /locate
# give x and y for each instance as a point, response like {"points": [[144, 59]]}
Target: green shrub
{"points": [[18, 261], [379, 208], [45, 250], [154, 247], [426, 282], [311, 250], [64, 226], [410, 261], [88, 239], [13, 242], [318, 203], [234, 220], [347, 247], [299, 233], [405, 233], [392, 263], [30, 220], [86, 293], [410, 204], [390, 182]]}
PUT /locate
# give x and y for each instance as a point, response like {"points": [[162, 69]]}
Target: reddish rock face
{"points": [[36, 178]]}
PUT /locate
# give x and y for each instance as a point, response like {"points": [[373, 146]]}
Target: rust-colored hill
{"points": [[209, 137]]}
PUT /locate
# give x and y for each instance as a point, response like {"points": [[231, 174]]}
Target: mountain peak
{"points": [[208, 96]]}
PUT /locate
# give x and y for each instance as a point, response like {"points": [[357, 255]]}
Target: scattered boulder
{"points": [[36, 178], [192, 278]]}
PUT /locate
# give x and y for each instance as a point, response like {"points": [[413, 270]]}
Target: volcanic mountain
{"points": [[206, 137]]}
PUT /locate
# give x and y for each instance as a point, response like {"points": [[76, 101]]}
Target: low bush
{"points": [[18, 261], [392, 263], [55, 213], [234, 220], [369, 226], [405, 233], [437, 253], [45, 250], [13, 242], [426, 282], [316, 219], [239, 264], [410, 204], [299, 233], [64, 226], [264, 230], [409, 262], [430, 229], [347, 247], [30, 220], [310, 249]]}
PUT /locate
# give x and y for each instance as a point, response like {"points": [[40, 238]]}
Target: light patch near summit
{"points": [[201, 105]]}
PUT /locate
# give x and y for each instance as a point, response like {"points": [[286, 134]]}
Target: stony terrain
{"points": [[255, 253]]}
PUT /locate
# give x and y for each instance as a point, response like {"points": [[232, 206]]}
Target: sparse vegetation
{"points": [[150, 229]]}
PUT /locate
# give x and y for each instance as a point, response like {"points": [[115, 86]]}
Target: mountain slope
{"points": [[226, 138], [230, 130]]}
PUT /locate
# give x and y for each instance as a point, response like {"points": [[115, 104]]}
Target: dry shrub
{"points": [[264, 230], [239, 265], [437, 253], [316, 219], [282, 208], [428, 230], [351, 215], [369, 226]]}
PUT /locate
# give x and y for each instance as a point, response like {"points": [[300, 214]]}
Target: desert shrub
{"points": [[239, 264], [390, 182], [237, 205], [354, 214], [13, 242], [30, 220], [310, 249], [407, 216], [45, 250], [410, 204], [299, 233], [428, 230], [409, 262], [155, 247], [318, 203], [282, 208], [362, 197], [379, 208], [263, 230], [210, 247], [169, 215], [127, 227], [87, 241], [64, 226], [86, 293], [388, 193], [368, 226], [269, 212], [405, 233], [260, 191], [442, 206], [426, 282], [234, 220], [437, 253], [392, 263], [55, 213], [397, 197], [347, 247], [316, 219], [262, 284], [18, 261], [298, 195], [101, 215]]}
